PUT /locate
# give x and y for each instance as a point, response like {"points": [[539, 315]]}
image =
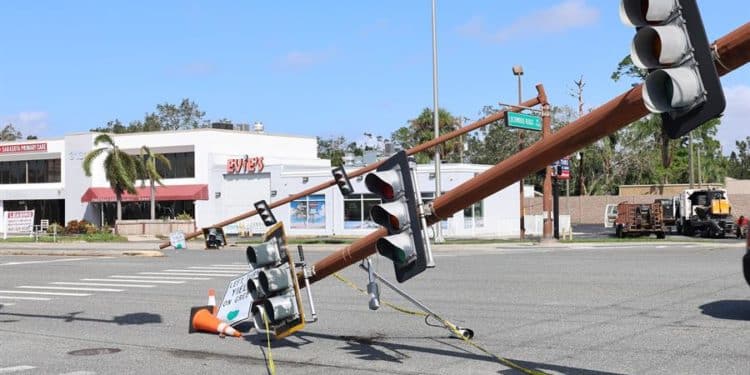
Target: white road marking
{"points": [[80, 373], [137, 281], [8, 370], [161, 277], [237, 268], [205, 271], [7, 303], [46, 293], [69, 288], [24, 298], [185, 274], [42, 261], [102, 284]]}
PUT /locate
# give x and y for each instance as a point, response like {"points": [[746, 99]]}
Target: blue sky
{"points": [[323, 68]]}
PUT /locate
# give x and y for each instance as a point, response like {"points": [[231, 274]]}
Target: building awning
{"points": [[163, 193]]}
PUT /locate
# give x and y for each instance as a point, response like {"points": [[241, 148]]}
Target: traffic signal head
{"points": [[265, 213], [273, 285], [671, 44], [342, 180], [399, 214]]}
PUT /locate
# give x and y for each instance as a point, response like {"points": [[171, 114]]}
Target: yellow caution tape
{"points": [[271, 365], [451, 327]]}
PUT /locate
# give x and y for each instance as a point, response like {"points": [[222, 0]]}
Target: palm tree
{"points": [[148, 167], [120, 168]]}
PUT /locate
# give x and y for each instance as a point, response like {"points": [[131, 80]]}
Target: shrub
{"points": [[184, 216], [78, 227], [72, 227], [90, 229], [55, 228]]}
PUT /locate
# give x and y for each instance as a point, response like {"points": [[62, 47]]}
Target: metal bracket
{"points": [[307, 273]]}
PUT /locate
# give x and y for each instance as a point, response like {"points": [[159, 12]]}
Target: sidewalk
{"points": [[148, 249]]}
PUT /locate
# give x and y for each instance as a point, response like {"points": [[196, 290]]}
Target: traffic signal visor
{"points": [[386, 184], [392, 215], [643, 12], [264, 254], [399, 248]]}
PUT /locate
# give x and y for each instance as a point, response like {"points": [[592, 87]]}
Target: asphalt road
{"points": [[588, 310]]}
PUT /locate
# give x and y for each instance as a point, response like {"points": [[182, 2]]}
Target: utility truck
{"points": [[706, 212]]}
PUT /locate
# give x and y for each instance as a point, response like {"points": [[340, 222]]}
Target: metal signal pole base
{"points": [[366, 265]]}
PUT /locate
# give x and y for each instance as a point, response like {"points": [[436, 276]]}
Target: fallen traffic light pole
{"points": [[731, 52], [414, 150]]}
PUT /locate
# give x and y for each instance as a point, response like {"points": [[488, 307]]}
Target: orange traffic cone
{"points": [[201, 319], [212, 301]]}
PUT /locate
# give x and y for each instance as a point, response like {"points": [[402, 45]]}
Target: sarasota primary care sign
{"points": [[18, 222], [28, 147]]}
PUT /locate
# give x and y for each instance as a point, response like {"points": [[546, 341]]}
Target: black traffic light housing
{"points": [[342, 180], [404, 271], [680, 123], [265, 213]]}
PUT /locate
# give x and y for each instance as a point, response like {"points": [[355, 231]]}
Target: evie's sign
{"points": [[245, 165]]}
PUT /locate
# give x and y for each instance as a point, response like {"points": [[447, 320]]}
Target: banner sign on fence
{"points": [[18, 222]]}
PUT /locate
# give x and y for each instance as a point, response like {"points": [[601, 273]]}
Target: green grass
{"points": [[95, 237]]}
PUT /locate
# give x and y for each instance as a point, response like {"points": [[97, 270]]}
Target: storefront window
{"points": [[30, 171], [308, 212], [357, 211], [182, 163], [474, 215]]}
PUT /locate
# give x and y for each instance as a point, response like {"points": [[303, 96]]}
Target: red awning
{"points": [[163, 193]]}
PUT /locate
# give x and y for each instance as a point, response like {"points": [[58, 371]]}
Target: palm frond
{"points": [[89, 158]]}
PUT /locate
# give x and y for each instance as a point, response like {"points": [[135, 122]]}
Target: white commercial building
{"points": [[217, 174]]}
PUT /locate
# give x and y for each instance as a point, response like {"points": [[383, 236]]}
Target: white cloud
{"points": [[735, 125], [28, 123], [298, 60], [562, 17]]}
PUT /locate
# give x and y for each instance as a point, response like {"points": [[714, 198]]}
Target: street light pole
{"points": [[518, 72], [436, 121]]}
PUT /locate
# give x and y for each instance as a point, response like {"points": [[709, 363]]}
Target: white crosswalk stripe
{"points": [[80, 373], [45, 293], [24, 298], [185, 274], [230, 265], [136, 281], [7, 304], [69, 288], [160, 277], [229, 269], [8, 370], [205, 271], [102, 284]]}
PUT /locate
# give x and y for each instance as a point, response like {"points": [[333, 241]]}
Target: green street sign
{"points": [[523, 121]]}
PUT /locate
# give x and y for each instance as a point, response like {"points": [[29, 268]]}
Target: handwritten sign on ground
{"points": [[177, 240], [235, 307]]}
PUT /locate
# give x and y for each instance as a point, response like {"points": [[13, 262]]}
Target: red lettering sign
{"points": [[245, 165], [28, 147]]}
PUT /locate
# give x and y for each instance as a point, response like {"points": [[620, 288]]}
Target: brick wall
{"points": [[590, 209]]}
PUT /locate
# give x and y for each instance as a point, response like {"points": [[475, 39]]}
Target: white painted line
{"points": [[47, 293], [160, 277], [230, 265], [7, 303], [137, 281], [185, 274], [24, 298], [238, 268], [42, 261], [102, 284], [205, 271], [8, 370], [80, 373], [69, 288]]}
